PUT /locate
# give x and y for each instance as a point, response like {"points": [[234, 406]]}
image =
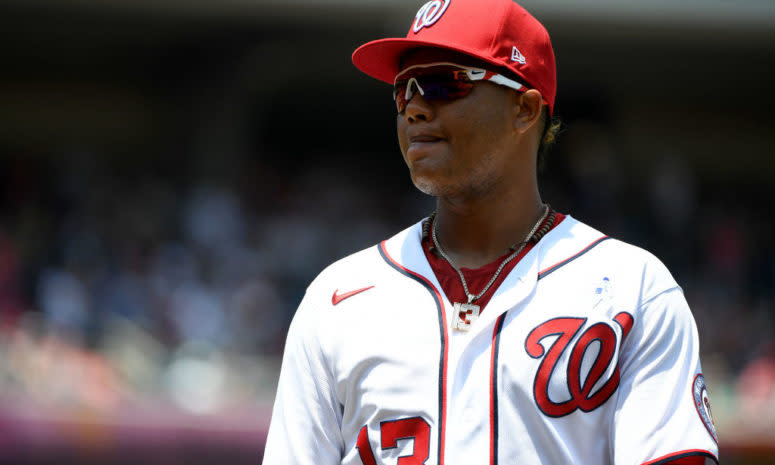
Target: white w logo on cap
{"points": [[429, 13]]}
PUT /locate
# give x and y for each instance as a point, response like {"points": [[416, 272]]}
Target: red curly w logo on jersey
{"points": [[580, 387]]}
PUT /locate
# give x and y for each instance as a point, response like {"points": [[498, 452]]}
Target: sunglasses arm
{"points": [[504, 81]]}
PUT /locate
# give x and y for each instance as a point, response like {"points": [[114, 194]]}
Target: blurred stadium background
{"points": [[173, 173]]}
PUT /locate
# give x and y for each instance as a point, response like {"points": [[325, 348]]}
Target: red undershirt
{"points": [[475, 278]]}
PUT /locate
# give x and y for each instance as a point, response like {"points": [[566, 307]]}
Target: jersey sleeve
{"points": [[306, 419], [662, 412]]}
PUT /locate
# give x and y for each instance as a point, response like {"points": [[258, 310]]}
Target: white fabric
{"points": [[374, 358]]}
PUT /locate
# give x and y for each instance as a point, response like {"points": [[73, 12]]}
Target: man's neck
{"points": [[476, 232]]}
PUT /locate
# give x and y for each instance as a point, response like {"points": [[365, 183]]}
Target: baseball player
{"points": [[497, 330]]}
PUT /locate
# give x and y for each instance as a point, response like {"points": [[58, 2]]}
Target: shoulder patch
{"points": [[702, 404]]}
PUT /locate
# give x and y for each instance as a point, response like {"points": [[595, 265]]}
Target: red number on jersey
{"points": [[364, 450], [391, 432], [408, 428]]}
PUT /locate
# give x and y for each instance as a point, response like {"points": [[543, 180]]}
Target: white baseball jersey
{"points": [[586, 354]]}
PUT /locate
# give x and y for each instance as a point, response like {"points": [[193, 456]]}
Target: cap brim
{"points": [[380, 59]]}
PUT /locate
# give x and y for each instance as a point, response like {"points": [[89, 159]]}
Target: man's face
{"points": [[458, 148]]}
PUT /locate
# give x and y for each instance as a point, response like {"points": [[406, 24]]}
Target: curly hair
{"points": [[552, 127]]}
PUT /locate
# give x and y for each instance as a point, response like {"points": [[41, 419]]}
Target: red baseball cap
{"points": [[499, 32]]}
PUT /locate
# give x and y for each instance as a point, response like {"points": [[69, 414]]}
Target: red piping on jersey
{"points": [[561, 263], [444, 341], [683, 457], [496, 334]]}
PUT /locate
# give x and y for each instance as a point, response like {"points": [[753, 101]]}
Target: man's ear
{"points": [[527, 110]]}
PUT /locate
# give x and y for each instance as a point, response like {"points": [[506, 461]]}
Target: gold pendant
{"points": [[465, 315]]}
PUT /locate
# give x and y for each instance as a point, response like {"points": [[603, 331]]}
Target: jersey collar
{"points": [[406, 249]]}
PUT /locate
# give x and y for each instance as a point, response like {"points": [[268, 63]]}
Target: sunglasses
{"points": [[442, 82]]}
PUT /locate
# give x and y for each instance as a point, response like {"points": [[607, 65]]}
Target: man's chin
{"points": [[462, 189], [425, 186], [430, 187]]}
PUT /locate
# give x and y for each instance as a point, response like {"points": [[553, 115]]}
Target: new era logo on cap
{"points": [[429, 13], [517, 56]]}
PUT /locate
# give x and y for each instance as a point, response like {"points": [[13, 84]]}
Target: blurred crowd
{"points": [[123, 288]]}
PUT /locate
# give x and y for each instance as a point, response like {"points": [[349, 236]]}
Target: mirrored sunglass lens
{"points": [[441, 90], [443, 86]]}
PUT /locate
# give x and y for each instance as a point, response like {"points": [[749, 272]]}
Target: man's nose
{"points": [[417, 108]]}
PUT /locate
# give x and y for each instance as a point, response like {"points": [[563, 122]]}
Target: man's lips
{"points": [[422, 141], [424, 138]]}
